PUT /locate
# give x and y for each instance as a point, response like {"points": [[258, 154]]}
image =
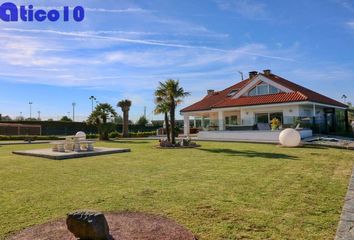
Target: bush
{"points": [[116, 134], [91, 136]]}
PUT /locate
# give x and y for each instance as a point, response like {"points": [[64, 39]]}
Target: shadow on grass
{"points": [[249, 153], [130, 141], [315, 146]]}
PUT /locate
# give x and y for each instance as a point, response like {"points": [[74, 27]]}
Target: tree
{"points": [[142, 121], [6, 118], [162, 108], [20, 118], [125, 106], [118, 119], [65, 119], [99, 117], [171, 93], [350, 105]]}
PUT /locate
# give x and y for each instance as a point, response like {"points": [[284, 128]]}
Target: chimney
{"points": [[210, 92], [267, 72], [252, 74]]}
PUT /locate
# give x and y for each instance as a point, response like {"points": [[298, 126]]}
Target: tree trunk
{"points": [[167, 127], [126, 124], [173, 123]]}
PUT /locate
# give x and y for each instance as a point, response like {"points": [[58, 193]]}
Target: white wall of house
{"points": [[289, 112]]}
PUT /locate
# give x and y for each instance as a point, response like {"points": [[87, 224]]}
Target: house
{"points": [[261, 98]]}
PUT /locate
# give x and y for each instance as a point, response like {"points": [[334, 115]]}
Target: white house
{"points": [[259, 99]]}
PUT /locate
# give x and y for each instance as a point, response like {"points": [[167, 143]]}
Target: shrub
{"points": [[91, 136], [138, 134]]}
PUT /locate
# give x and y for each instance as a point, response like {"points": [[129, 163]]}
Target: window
{"points": [[273, 89], [262, 118], [253, 92], [267, 117], [263, 89], [231, 120], [233, 92]]}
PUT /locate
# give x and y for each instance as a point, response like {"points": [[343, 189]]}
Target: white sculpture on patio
{"points": [[289, 137], [77, 143]]}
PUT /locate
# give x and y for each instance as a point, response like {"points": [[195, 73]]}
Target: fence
{"points": [[20, 129]]}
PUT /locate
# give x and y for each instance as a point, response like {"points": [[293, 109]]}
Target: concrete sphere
{"points": [[289, 137], [81, 135]]}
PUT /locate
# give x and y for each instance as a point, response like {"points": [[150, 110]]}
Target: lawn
{"points": [[219, 191]]}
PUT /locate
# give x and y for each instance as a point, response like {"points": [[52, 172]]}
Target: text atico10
{"points": [[10, 12]]}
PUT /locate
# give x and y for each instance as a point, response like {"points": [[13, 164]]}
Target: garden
{"points": [[218, 191]]}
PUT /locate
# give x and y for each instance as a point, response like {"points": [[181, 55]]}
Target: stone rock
{"points": [[165, 143], [88, 225]]}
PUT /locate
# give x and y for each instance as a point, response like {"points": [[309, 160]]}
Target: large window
{"points": [[267, 117], [262, 118], [263, 89], [231, 120]]}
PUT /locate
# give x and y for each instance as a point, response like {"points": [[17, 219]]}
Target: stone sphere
{"points": [[81, 135], [289, 137]]}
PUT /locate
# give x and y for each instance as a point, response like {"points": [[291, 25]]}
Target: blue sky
{"points": [[123, 48]]}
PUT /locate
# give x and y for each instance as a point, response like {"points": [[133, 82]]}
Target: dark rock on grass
{"points": [[88, 225], [122, 225]]}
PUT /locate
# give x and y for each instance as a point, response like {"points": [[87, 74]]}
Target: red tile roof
{"points": [[261, 99], [221, 100]]}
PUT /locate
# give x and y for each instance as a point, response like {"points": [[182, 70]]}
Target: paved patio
{"points": [[48, 153]]}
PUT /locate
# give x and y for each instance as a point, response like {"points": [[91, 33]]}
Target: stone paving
{"points": [[48, 153], [345, 229]]}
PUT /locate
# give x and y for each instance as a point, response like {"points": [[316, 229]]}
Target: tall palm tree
{"points": [[99, 117], [163, 108], [125, 106], [171, 92]]}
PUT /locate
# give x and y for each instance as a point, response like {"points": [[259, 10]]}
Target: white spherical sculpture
{"points": [[289, 137], [80, 135]]}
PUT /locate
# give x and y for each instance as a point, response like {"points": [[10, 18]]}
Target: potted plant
{"points": [[275, 124]]}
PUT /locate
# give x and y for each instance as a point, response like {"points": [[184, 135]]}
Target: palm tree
{"points": [[125, 106], [162, 108], [99, 117], [172, 94]]}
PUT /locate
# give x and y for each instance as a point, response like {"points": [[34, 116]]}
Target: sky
{"points": [[122, 49]]}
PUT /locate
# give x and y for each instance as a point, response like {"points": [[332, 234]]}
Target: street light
{"points": [[30, 103], [39, 115], [92, 98], [73, 104]]}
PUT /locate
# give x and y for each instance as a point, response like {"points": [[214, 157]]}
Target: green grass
{"points": [[220, 191]]}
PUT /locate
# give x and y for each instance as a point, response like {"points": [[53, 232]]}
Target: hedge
{"points": [[70, 128], [26, 138]]}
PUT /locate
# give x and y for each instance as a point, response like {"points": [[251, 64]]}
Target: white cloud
{"points": [[351, 24], [246, 8], [97, 36]]}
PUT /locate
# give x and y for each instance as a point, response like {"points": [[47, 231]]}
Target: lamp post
{"points": [[39, 115], [30, 104], [73, 104], [92, 98]]}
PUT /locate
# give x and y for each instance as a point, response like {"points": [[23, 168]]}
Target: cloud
{"points": [[100, 10], [97, 35], [351, 24], [347, 4], [246, 8]]}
